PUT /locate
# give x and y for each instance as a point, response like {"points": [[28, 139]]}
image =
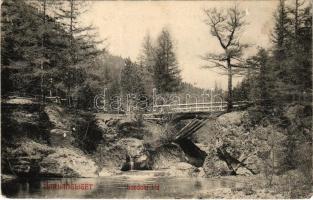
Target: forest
{"points": [[46, 52]]}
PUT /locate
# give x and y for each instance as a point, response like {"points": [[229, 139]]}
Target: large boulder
{"points": [[253, 164], [25, 158], [168, 155], [67, 163], [214, 166], [232, 118], [134, 146], [31, 159]]}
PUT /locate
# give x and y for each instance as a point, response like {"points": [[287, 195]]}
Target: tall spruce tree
{"points": [[299, 55], [147, 62], [82, 46], [166, 72], [131, 84], [280, 32], [260, 89]]}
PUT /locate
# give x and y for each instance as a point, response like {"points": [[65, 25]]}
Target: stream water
{"points": [[133, 184]]}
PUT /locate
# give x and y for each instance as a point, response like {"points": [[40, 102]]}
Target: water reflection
{"points": [[115, 187]]}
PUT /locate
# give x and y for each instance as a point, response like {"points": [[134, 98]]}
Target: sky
{"points": [[125, 23]]}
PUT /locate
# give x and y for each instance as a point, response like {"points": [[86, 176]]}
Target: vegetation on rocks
{"points": [[234, 147]]}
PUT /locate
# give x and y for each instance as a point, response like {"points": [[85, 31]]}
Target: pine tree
{"points": [[147, 62], [261, 90], [82, 47], [299, 55], [166, 72], [280, 32], [131, 83], [130, 78]]}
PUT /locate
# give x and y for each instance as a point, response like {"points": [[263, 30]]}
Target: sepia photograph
{"points": [[176, 99]]}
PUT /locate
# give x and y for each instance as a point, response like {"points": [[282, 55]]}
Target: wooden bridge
{"points": [[197, 107], [156, 110], [193, 110]]}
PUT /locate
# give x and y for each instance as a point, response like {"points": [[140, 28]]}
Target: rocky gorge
{"points": [[51, 141]]}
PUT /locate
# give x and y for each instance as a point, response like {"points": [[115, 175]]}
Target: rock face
{"points": [[124, 145], [40, 144], [214, 166], [234, 150], [25, 159], [136, 157], [125, 154], [33, 159], [61, 131], [67, 163]]}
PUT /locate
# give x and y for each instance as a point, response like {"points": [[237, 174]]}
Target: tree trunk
{"points": [[69, 96], [230, 92], [44, 4], [296, 18]]}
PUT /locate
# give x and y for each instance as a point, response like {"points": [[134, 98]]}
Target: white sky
{"points": [[125, 23]]}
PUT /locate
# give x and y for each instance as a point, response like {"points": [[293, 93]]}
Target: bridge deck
{"points": [[196, 107]]}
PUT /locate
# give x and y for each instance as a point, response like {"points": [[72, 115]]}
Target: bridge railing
{"points": [[190, 107], [197, 107]]}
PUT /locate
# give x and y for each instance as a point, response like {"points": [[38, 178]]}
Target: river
{"points": [[119, 186]]}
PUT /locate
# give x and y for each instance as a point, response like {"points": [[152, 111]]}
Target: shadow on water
{"points": [[116, 187]]}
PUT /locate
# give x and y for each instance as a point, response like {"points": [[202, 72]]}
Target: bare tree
{"points": [[226, 26]]}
